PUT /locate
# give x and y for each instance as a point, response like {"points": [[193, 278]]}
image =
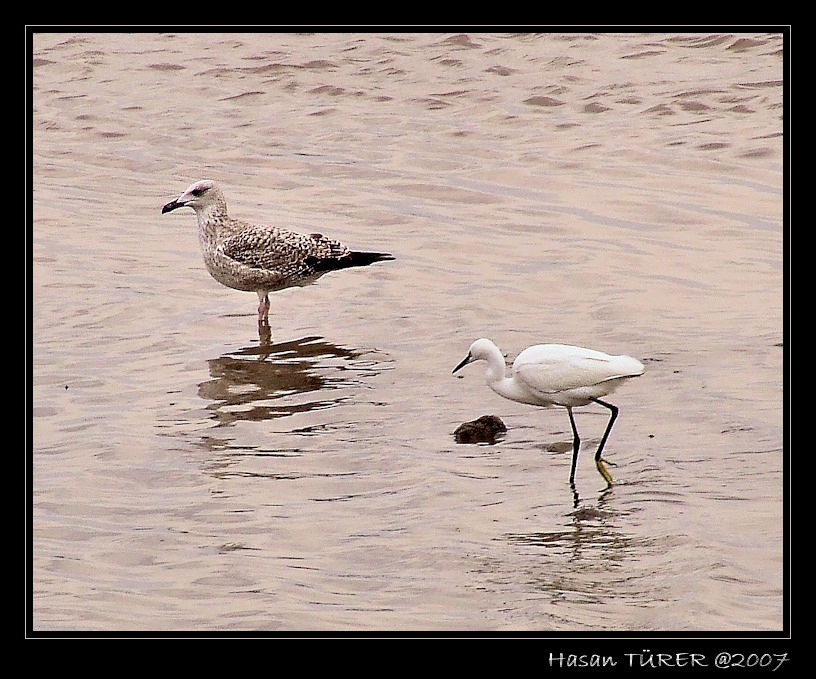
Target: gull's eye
{"points": [[197, 192]]}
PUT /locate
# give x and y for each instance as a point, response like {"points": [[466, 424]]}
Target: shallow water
{"points": [[621, 192]]}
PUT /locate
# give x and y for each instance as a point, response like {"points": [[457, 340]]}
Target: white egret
{"points": [[558, 375]]}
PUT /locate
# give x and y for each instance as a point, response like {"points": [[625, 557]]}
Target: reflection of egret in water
{"points": [[291, 377], [589, 560]]}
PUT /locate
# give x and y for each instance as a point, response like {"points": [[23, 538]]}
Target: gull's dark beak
{"points": [[172, 205], [467, 359]]}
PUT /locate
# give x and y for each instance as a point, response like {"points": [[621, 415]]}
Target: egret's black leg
{"points": [[576, 443], [575, 498], [599, 461]]}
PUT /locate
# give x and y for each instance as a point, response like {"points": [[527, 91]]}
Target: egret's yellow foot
{"points": [[599, 463]]}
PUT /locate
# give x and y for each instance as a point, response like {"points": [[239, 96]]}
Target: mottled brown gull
{"points": [[261, 259]]}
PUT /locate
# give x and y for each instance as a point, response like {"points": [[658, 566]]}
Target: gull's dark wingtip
{"points": [[366, 258], [350, 259]]}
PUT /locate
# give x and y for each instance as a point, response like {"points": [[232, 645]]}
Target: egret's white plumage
{"points": [[558, 375]]}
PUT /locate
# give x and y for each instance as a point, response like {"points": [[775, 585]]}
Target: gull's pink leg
{"points": [[263, 308]]}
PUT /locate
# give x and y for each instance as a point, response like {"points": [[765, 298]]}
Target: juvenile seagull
{"points": [[261, 259], [558, 375]]}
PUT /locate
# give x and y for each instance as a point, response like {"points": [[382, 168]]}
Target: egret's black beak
{"points": [[467, 359], [172, 205]]}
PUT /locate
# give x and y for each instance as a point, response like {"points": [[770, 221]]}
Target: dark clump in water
{"points": [[483, 430]]}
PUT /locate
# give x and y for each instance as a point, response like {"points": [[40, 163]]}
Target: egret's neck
{"points": [[496, 374], [505, 386], [509, 388]]}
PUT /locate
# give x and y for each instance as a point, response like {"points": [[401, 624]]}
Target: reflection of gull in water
{"points": [[290, 382], [261, 259]]}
